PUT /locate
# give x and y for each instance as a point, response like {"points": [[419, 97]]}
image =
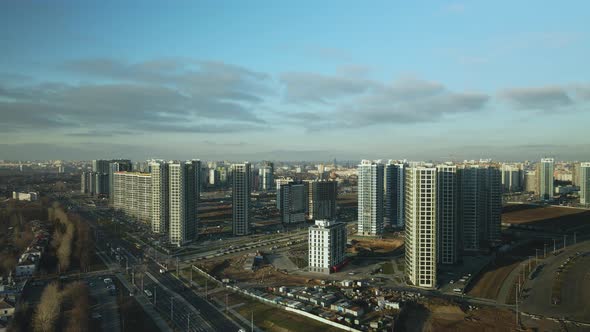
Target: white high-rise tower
{"points": [[241, 198], [370, 198], [183, 202], [584, 179], [546, 181], [420, 230]]}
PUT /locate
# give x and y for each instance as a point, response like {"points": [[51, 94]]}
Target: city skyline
{"points": [[444, 80]]}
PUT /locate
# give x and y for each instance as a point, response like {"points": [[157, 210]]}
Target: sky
{"points": [[297, 80]]}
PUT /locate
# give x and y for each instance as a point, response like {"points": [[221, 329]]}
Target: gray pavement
{"points": [[107, 305], [575, 289], [141, 299]]}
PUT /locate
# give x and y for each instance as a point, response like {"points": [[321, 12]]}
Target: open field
{"points": [[364, 246], [492, 277], [452, 318], [265, 274], [551, 218], [270, 318]]}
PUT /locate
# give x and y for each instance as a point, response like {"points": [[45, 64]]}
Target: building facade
{"points": [[447, 225], [512, 177], [480, 205], [241, 198], [394, 193], [160, 207], [117, 166], [293, 202], [266, 176], [584, 180], [183, 198], [87, 183], [132, 193], [370, 198], [421, 226], [546, 181], [321, 199], [327, 245]]}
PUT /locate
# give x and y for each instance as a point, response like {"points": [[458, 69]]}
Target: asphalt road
{"points": [[194, 304], [210, 314], [575, 289]]}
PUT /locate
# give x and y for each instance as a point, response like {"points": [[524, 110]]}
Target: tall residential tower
{"points": [[370, 198], [241, 198], [420, 226]]}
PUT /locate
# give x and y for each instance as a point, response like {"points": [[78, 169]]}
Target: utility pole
{"points": [[544, 250], [536, 257], [177, 270], [516, 302], [191, 277], [226, 306], [133, 276], [252, 322], [188, 322], [554, 246]]}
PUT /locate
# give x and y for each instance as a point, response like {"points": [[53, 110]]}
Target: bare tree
{"points": [[64, 251], [48, 309], [78, 297]]}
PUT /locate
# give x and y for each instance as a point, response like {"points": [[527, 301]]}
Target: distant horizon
{"points": [[326, 162]]}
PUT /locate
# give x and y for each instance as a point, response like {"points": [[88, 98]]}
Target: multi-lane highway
{"points": [[172, 299]]}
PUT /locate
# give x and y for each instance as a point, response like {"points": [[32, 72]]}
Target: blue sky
{"points": [[300, 80]]}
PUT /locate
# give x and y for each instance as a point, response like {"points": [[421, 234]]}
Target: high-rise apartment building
{"points": [[293, 202], [241, 182], [266, 176], [88, 182], [183, 198], [447, 226], [101, 176], [421, 225], [512, 177], [576, 173], [122, 165], [321, 199], [132, 194], [584, 180], [160, 207], [531, 184], [327, 245], [480, 205], [546, 181], [394, 193], [279, 183], [370, 198]]}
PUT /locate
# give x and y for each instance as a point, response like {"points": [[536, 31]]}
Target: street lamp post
{"points": [[171, 308]]}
